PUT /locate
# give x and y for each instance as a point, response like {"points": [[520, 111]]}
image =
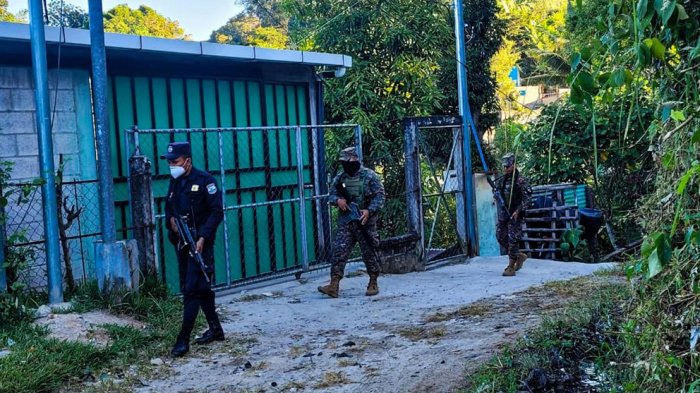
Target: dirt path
{"points": [[419, 334]]}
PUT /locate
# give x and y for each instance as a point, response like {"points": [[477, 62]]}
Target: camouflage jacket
{"points": [[517, 194], [373, 191]]}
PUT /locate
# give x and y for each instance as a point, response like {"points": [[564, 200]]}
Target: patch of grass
{"points": [[298, 350], [356, 273], [234, 346], [472, 310], [588, 330], [293, 385], [259, 367], [371, 372], [40, 364], [615, 271], [250, 298], [331, 379], [417, 333], [256, 297], [347, 363]]}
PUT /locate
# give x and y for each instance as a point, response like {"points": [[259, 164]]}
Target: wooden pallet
{"points": [[562, 218]]}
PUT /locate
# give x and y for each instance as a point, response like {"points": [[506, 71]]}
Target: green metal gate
{"points": [[258, 167]]}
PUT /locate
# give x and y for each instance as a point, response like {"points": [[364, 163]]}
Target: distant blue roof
{"points": [[515, 76]]}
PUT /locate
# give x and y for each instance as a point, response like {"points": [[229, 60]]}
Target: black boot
{"points": [[182, 346], [215, 333]]}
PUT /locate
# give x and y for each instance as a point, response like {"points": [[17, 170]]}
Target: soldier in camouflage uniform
{"points": [[359, 195], [516, 193]]}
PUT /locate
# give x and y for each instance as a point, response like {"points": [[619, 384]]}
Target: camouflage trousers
{"points": [[348, 234], [509, 234]]}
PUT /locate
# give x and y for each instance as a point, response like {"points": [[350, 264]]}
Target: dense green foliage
{"points": [[631, 131], [142, 21], [244, 29]]}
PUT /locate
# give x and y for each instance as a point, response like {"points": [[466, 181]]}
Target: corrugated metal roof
{"points": [[81, 38]]}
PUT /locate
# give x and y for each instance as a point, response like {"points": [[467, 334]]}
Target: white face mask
{"points": [[177, 171]]}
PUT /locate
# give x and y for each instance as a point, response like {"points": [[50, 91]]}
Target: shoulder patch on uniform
{"points": [[211, 188]]}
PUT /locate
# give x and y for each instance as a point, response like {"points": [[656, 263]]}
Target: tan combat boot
{"points": [[331, 289], [373, 287], [510, 270], [519, 263]]}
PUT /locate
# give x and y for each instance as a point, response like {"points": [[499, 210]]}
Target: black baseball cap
{"points": [[177, 150]]}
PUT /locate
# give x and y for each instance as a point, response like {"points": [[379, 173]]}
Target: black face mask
{"points": [[350, 167]]}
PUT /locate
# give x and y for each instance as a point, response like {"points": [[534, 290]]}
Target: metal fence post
{"points": [[3, 274], [43, 114], [465, 113], [227, 256], [302, 201], [414, 205], [461, 202], [358, 141], [141, 193]]}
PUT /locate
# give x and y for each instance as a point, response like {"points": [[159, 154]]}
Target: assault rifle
{"points": [[354, 211], [499, 197], [187, 240]]}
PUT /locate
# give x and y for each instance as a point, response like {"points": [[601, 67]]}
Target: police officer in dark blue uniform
{"points": [[195, 196]]}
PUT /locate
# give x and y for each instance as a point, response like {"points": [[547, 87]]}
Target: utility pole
{"points": [[43, 122], [111, 261], [464, 112]]}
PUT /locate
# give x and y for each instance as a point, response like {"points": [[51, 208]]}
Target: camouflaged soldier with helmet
{"points": [[359, 195], [516, 192]]}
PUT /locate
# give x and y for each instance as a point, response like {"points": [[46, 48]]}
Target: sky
{"points": [[195, 17]]}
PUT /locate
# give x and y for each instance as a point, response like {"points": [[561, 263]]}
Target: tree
{"points": [[73, 16], [5, 15], [143, 21], [267, 37], [404, 59], [244, 29], [537, 29], [271, 13]]}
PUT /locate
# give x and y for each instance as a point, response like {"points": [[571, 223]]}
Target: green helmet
{"points": [[348, 154], [508, 159]]}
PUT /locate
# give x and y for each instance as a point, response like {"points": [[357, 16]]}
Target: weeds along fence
{"points": [[79, 228]]}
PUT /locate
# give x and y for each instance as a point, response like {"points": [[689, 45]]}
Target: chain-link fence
{"points": [[79, 227]]}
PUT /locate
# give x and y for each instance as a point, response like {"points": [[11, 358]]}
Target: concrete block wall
{"points": [[18, 128], [72, 135]]}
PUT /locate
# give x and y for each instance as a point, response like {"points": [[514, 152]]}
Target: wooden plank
{"points": [[550, 209], [549, 219], [544, 230]]}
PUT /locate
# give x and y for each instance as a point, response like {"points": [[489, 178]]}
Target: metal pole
{"points": [[302, 202], [43, 121], [324, 230], [464, 112], [3, 274], [414, 189], [227, 257], [358, 141], [100, 99]]}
